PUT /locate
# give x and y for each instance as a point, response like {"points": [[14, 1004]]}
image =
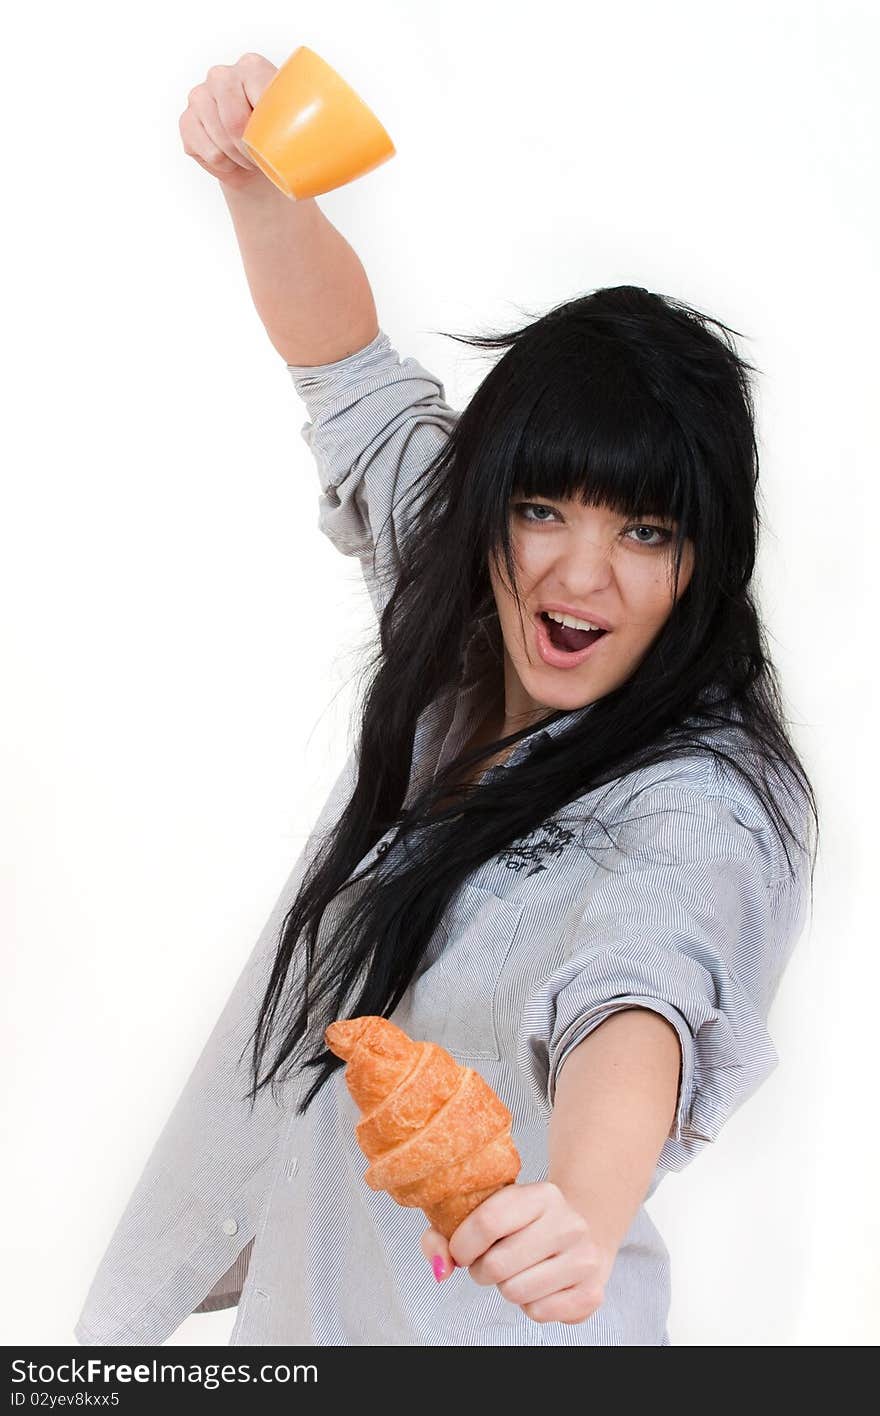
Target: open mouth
{"points": [[569, 640]]}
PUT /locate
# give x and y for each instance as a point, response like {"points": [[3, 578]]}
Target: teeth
{"points": [[571, 621]]}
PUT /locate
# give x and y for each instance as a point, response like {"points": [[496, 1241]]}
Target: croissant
{"points": [[435, 1133]]}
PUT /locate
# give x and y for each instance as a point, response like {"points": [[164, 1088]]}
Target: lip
{"points": [[559, 658], [570, 610]]}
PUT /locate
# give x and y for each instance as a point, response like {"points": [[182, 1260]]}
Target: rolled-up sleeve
{"points": [[375, 424], [689, 920]]}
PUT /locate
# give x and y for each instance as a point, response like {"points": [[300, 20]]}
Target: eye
{"points": [[661, 531], [522, 507]]}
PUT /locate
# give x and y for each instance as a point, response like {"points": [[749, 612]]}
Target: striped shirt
{"points": [[690, 912]]}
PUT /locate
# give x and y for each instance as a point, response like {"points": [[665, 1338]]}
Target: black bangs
{"points": [[598, 436], [623, 399]]}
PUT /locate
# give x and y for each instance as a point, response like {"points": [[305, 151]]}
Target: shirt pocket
{"points": [[454, 998]]}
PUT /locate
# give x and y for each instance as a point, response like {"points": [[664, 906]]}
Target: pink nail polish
{"points": [[438, 1266]]}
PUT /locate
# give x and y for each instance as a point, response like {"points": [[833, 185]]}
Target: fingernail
{"points": [[438, 1266]]}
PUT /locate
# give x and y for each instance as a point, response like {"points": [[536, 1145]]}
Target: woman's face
{"points": [[602, 565]]}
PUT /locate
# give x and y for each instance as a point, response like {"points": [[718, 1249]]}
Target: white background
{"points": [[178, 641]]}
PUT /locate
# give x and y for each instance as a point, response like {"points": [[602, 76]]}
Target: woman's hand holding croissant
{"points": [[438, 1137], [537, 1248]]}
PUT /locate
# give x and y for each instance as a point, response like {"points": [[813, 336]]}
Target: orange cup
{"points": [[310, 132]]}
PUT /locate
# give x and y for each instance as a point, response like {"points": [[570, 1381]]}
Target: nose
{"points": [[583, 568]]}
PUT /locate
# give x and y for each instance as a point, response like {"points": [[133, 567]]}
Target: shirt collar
{"points": [[528, 745]]}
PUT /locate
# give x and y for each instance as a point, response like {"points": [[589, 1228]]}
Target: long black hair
{"points": [[622, 398]]}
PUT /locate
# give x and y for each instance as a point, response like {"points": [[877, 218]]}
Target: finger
{"points": [[511, 1208], [517, 1252], [541, 1281], [436, 1250], [204, 105], [257, 72], [234, 112], [198, 145], [567, 1305]]}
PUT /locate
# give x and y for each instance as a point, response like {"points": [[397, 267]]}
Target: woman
{"points": [[572, 845]]}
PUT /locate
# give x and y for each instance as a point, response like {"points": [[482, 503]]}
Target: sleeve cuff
{"points": [[586, 1024], [307, 374]]}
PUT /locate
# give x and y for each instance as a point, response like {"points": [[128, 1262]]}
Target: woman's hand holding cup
{"points": [[217, 114]]}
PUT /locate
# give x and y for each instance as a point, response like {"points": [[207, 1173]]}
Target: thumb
{"points": [[436, 1250]]}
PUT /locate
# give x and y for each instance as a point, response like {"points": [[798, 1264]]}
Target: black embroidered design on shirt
{"points": [[551, 841]]}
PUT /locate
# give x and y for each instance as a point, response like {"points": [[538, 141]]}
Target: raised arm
{"points": [[376, 421], [308, 285]]}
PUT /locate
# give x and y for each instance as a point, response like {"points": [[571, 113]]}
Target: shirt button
{"points": [[230, 1226], [383, 847], [291, 1166]]}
